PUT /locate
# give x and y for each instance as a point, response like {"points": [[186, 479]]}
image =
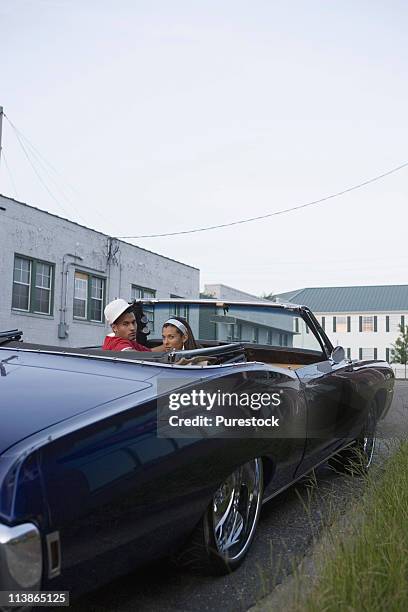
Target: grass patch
{"points": [[367, 567]]}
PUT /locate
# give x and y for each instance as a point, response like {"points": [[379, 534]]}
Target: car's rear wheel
{"points": [[357, 457], [223, 537]]}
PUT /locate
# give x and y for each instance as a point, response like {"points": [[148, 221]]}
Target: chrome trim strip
{"points": [[159, 364], [221, 303], [53, 545], [303, 474]]}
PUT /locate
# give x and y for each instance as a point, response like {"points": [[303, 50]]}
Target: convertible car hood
{"points": [[38, 390]]}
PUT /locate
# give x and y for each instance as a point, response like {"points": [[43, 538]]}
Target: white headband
{"points": [[180, 326]]}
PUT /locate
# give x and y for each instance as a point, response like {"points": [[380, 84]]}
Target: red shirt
{"points": [[112, 343]]}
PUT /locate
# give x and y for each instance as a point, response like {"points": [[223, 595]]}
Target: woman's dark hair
{"points": [[190, 344]]}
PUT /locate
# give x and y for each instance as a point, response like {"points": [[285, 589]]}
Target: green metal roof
{"points": [[381, 298]]}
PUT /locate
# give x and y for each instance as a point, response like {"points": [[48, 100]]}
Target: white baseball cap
{"points": [[114, 309]]}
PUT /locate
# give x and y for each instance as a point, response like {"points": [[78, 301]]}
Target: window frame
{"points": [[174, 308], [364, 320], [89, 298], [342, 324], [283, 339], [34, 261], [371, 356]]}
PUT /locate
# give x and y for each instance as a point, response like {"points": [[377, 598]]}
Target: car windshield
{"points": [[214, 323]]}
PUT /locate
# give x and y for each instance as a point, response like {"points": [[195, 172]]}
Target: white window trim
{"points": [[49, 289]]}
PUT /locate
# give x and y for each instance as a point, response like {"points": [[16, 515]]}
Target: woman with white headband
{"points": [[177, 335]]}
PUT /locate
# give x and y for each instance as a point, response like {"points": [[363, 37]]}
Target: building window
{"points": [[283, 339], [256, 335], [296, 326], [21, 284], [80, 295], [342, 324], [368, 323], [32, 285], [179, 310], [348, 352], [89, 297], [387, 324], [387, 355], [140, 293], [394, 323], [235, 332], [231, 332], [368, 353], [269, 337], [97, 298]]}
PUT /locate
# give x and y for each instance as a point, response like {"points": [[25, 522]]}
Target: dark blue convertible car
{"points": [[110, 460]]}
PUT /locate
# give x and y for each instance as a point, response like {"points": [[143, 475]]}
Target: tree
{"points": [[269, 296], [399, 351]]}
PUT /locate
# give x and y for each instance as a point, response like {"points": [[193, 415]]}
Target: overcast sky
{"points": [[166, 116]]}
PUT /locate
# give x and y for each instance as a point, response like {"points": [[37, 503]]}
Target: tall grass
{"points": [[367, 570]]}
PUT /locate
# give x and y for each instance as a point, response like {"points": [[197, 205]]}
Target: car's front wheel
{"points": [[223, 537]]}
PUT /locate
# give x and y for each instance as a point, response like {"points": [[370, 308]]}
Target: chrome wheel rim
{"points": [[236, 506]]}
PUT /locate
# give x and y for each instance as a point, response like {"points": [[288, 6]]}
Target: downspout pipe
{"points": [[62, 333]]}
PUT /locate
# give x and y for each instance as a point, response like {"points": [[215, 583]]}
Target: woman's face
{"points": [[173, 338]]}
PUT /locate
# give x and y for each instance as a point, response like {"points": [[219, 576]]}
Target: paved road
{"points": [[286, 532]]}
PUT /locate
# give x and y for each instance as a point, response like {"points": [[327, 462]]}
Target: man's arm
{"points": [[158, 349]]}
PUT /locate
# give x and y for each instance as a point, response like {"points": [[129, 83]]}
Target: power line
{"points": [[43, 183], [44, 163], [53, 180], [41, 159], [273, 214], [34, 149]]}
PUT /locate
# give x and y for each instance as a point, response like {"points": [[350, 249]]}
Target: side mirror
{"points": [[338, 354]]}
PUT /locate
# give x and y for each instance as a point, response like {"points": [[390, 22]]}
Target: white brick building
{"points": [[56, 276], [364, 320]]}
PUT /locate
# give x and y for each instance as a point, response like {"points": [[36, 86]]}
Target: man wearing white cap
{"points": [[121, 318]]}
